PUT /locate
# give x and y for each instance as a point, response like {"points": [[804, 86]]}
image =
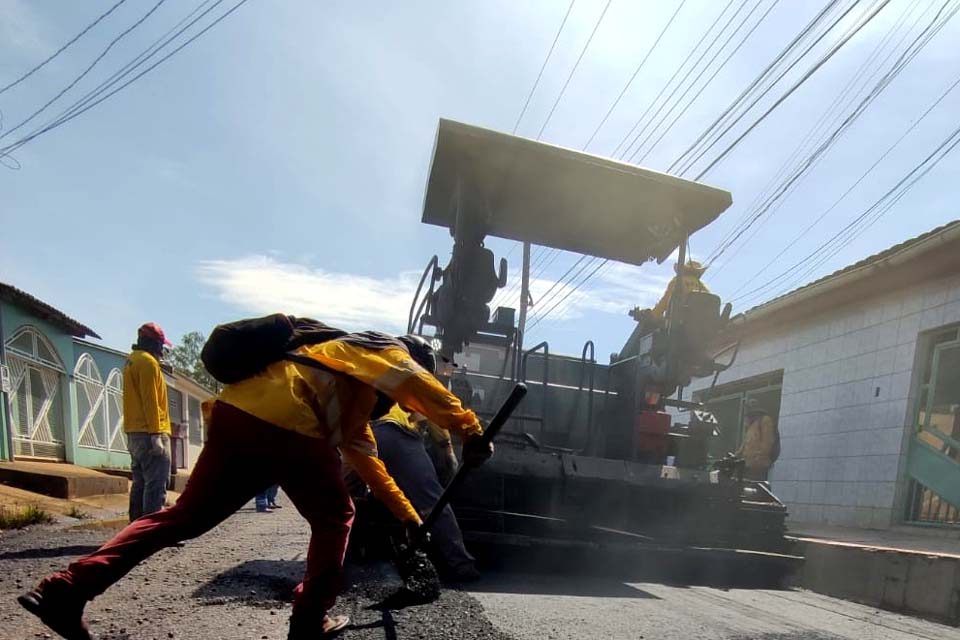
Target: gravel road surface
{"points": [[235, 582]]}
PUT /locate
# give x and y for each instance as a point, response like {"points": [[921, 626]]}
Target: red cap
{"points": [[153, 330]]}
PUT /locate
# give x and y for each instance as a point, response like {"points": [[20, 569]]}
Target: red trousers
{"points": [[242, 457]]}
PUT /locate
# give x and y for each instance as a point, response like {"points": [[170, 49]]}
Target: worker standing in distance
{"points": [[400, 445], [146, 422], [288, 424], [761, 442]]}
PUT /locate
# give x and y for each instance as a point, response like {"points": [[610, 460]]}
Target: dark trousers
{"points": [[242, 457], [409, 463], [150, 473]]}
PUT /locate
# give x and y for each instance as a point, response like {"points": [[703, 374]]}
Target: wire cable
{"points": [[57, 123], [913, 49], [783, 186], [634, 75], [89, 68], [781, 56], [796, 85], [744, 95], [56, 53], [543, 67], [670, 81], [690, 87], [583, 52], [911, 178]]}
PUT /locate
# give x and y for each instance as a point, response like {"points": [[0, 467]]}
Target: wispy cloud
{"points": [[20, 29], [614, 289], [262, 284], [266, 284]]}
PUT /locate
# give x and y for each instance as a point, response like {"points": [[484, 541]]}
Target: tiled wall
{"points": [[847, 385]]}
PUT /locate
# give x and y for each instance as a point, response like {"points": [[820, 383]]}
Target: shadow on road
{"points": [[51, 552], [254, 582]]}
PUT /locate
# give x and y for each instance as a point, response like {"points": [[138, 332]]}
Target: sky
{"points": [[279, 162]]}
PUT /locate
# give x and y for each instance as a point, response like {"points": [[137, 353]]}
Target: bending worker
{"points": [[287, 425], [401, 447]]}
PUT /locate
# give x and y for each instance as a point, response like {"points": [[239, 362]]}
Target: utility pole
{"points": [[524, 296]]}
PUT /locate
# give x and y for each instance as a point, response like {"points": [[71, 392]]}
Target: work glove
{"points": [[475, 451], [156, 444], [412, 534]]}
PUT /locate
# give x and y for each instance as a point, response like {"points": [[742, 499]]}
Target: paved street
{"points": [[234, 583]]}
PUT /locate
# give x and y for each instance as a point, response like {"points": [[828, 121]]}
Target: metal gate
{"points": [[36, 402], [100, 407], [933, 462]]}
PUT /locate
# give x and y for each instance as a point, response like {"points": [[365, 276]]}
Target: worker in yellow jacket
{"points": [[146, 422], [689, 275], [288, 424], [761, 442]]}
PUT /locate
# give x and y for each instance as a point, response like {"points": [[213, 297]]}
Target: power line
{"points": [[574, 69], [846, 235], [546, 298], [773, 65], [850, 189], [144, 55], [73, 114], [765, 195], [543, 67], [634, 75], [713, 77], [63, 48], [89, 68], [769, 196], [670, 81], [806, 76], [706, 67], [744, 95], [570, 292], [647, 127], [905, 58]]}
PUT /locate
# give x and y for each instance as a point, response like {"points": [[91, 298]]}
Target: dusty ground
{"points": [[235, 583]]}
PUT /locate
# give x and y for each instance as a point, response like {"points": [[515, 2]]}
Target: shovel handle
{"points": [[506, 409]]}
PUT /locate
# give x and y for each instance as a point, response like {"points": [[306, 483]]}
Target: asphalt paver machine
{"points": [[600, 455]]}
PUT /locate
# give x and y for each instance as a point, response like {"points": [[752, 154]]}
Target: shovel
{"points": [[420, 580]]}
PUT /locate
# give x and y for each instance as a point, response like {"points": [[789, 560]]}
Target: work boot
{"points": [[59, 607], [307, 626]]}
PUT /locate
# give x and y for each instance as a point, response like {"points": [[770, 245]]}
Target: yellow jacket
{"points": [[401, 417], [144, 395], [690, 283], [758, 442], [336, 404]]}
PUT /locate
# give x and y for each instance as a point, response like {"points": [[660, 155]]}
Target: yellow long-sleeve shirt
{"points": [[336, 404], [690, 283], [144, 395], [399, 416]]}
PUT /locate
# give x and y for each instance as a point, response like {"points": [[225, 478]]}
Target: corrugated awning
{"points": [[556, 197]]}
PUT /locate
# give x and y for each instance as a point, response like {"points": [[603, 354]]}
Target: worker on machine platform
{"points": [[689, 274]]}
